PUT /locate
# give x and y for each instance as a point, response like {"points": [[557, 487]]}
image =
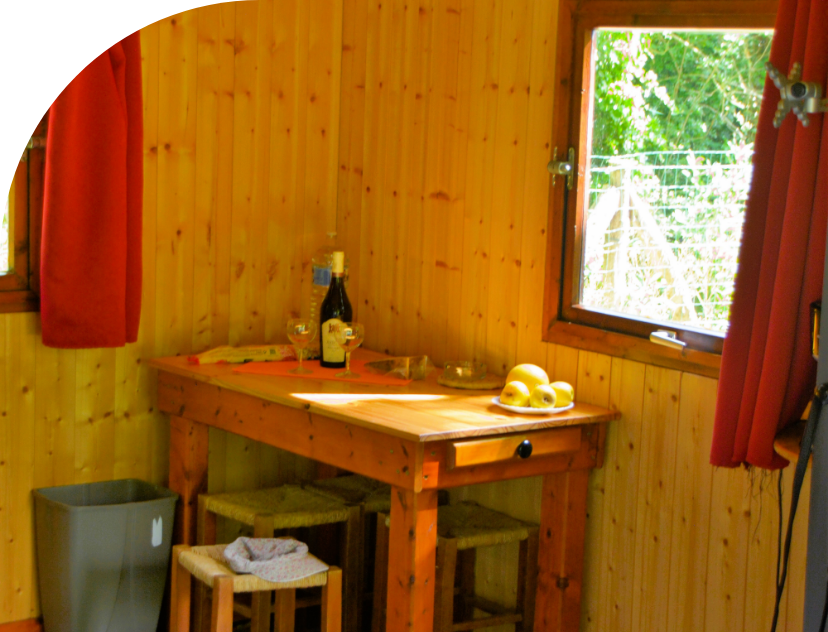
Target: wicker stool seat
{"points": [[290, 505], [280, 508], [374, 496], [461, 529], [207, 565]]}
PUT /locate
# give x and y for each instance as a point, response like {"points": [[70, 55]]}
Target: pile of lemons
{"points": [[527, 385]]}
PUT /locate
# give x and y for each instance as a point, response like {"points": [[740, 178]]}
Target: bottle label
{"points": [[321, 276], [331, 351]]}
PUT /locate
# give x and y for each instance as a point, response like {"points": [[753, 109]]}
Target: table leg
{"points": [[561, 552], [188, 474], [411, 560]]}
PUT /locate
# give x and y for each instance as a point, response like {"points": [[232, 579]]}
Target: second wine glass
{"points": [[301, 331], [349, 336]]}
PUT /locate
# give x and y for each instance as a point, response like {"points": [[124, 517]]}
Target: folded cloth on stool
{"points": [[273, 559]]}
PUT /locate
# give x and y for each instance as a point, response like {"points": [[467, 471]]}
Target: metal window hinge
{"points": [[797, 96], [563, 168], [35, 142]]}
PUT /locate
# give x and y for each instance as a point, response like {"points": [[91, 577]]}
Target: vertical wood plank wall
{"points": [[419, 130]]}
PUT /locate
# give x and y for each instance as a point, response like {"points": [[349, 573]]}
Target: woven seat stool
{"points": [[461, 529], [282, 508], [207, 565]]}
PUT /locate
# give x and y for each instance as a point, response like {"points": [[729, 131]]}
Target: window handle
{"points": [[668, 339], [562, 168]]}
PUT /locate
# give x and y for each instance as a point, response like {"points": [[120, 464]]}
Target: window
{"points": [[661, 123], [20, 231]]}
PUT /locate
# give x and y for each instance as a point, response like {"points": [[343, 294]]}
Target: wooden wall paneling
{"points": [[507, 194], [321, 110], [728, 550], [94, 410], [760, 575], [439, 205], [207, 153], [536, 186], [351, 137], [593, 387], [691, 503], [372, 198], [222, 228], [485, 65], [21, 340], [137, 390], [795, 586], [245, 240], [384, 250], [285, 219], [614, 581], [6, 480], [562, 364], [176, 182], [418, 54], [54, 416], [655, 498], [458, 140]]}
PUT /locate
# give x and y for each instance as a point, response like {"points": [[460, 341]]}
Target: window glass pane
{"points": [[673, 121]]}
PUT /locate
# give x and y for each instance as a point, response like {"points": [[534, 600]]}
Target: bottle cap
{"points": [[338, 262]]}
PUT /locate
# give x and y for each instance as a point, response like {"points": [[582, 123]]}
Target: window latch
{"points": [[668, 339], [35, 142], [801, 97], [562, 168]]}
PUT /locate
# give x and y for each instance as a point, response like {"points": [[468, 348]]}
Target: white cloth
{"points": [[273, 559]]}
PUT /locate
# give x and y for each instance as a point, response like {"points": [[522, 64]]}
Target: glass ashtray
{"points": [[464, 370]]}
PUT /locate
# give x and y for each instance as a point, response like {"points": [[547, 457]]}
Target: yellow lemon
{"points": [[530, 374], [564, 392], [515, 394]]}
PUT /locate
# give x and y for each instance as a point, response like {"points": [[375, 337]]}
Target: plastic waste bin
{"points": [[102, 555]]}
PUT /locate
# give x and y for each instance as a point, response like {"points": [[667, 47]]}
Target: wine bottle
{"points": [[335, 310]]}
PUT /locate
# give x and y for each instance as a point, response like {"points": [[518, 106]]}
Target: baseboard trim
{"points": [[27, 625]]}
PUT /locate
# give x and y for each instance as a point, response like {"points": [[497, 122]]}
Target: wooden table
{"points": [[419, 438]]}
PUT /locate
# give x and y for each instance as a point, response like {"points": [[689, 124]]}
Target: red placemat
{"points": [[281, 369]]}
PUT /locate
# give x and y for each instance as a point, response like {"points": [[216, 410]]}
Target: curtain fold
{"points": [[767, 373], [92, 215]]}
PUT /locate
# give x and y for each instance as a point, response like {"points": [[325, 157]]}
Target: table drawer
{"points": [[496, 449]]}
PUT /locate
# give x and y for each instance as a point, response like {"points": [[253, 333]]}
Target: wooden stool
{"points": [[461, 529], [287, 507], [207, 565]]}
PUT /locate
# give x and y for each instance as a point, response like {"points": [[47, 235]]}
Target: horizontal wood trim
{"points": [[481, 451], [632, 348], [719, 8], [437, 474], [12, 280], [26, 625], [347, 446], [19, 301]]}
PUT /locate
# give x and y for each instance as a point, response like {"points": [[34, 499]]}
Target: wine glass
{"points": [[349, 336], [301, 331]]}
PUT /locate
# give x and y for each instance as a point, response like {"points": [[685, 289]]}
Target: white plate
{"points": [[527, 410]]}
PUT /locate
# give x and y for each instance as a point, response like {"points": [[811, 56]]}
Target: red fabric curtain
{"points": [[91, 244], [767, 372]]}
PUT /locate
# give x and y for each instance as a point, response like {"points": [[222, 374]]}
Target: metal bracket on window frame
{"points": [[797, 96], [563, 168], [35, 142]]}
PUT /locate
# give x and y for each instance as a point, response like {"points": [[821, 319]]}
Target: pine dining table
{"points": [[419, 438]]}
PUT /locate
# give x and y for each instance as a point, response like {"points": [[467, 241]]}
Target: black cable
{"points": [[824, 613]]}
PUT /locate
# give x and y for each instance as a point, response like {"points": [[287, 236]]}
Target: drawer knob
{"points": [[524, 450]]}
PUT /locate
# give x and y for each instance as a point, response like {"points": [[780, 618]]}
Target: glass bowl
{"points": [[464, 370]]}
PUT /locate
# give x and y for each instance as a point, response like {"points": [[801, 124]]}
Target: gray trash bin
{"points": [[102, 555]]}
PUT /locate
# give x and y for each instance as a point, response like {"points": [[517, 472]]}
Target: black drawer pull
{"points": [[524, 450]]}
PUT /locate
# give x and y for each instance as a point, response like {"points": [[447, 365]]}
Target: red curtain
{"points": [[91, 244], [767, 372]]}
